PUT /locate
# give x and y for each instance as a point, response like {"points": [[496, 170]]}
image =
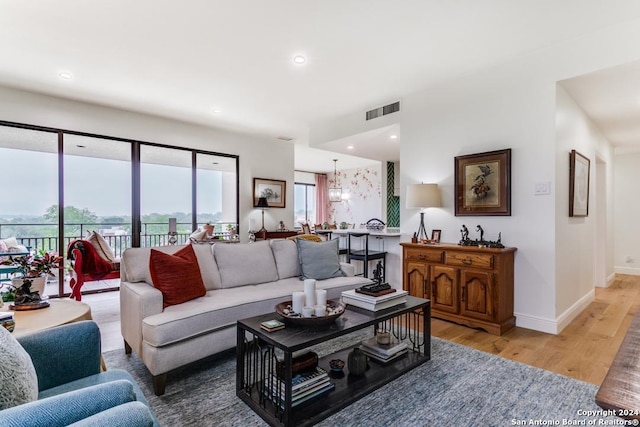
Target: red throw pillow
{"points": [[177, 276]]}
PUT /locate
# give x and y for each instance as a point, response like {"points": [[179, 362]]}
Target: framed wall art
{"points": [[483, 184], [579, 167], [274, 190]]}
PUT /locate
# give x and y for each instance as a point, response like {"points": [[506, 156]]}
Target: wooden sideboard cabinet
{"points": [[467, 285]]}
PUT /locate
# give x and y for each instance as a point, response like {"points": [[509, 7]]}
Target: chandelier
{"points": [[335, 192]]}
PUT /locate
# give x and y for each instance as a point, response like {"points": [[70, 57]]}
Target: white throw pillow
{"points": [[102, 247], [18, 379], [243, 264]]}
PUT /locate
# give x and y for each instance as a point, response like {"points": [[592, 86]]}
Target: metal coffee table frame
{"points": [[258, 351]]}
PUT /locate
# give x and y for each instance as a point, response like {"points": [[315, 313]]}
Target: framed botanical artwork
{"points": [[483, 184], [579, 167], [435, 236], [272, 189]]}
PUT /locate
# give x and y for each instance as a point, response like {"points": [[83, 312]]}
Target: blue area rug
{"points": [[459, 386]]}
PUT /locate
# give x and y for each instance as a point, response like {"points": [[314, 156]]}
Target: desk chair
{"points": [[364, 253]]}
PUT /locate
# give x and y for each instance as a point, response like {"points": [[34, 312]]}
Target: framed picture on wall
{"points": [[483, 184], [579, 167], [272, 189]]}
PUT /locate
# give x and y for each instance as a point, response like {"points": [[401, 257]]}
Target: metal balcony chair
{"points": [[364, 254]]}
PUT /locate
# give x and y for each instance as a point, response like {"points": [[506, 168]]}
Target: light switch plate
{"points": [[542, 188]]}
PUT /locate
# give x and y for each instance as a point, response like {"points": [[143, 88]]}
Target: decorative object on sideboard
{"points": [[273, 190], [423, 196], [262, 204], [579, 168], [483, 183], [481, 242], [335, 192], [435, 236]]}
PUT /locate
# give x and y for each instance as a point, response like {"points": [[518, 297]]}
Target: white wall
{"points": [[576, 237], [513, 105], [627, 203], [259, 157]]}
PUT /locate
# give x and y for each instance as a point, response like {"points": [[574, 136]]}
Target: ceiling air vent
{"points": [[383, 111]]}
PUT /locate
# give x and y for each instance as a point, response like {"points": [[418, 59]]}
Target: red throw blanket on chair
{"points": [[91, 262]]}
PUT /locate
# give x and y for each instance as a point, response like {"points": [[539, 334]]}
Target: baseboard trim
{"points": [[572, 312], [611, 279], [551, 326], [627, 270], [536, 323]]}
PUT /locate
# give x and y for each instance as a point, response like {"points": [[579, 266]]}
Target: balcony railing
{"points": [[118, 235]]}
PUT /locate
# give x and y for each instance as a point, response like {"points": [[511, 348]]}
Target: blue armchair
{"points": [[71, 388]]}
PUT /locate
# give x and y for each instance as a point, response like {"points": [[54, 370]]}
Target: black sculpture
{"points": [[377, 273], [466, 241]]}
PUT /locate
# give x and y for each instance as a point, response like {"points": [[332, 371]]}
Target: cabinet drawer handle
{"points": [[467, 261], [421, 257]]}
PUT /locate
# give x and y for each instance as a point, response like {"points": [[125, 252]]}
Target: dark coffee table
{"points": [[258, 351]]}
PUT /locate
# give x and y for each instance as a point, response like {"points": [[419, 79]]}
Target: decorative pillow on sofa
{"points": [[319, 260], [177, 276], [18, 379], [101, 246]]}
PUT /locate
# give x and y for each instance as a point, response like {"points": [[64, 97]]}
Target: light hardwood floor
{"points": [[583, 350]]}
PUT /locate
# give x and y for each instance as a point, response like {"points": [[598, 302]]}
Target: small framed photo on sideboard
{"points": [[435, 236]]}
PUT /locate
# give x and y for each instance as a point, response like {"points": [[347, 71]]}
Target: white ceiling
{"points": [[611, 98], [184, 59]]}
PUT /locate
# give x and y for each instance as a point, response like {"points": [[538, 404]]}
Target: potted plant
{"points": [[33, 272]]}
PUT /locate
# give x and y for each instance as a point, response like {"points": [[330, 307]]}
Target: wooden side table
{"points": [[60, 312]]}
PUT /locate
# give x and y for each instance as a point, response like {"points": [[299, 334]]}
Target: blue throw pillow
{"points": [[319, 260]]}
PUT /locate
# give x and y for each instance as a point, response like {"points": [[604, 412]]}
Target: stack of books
{"points": [[272, 325], [372, 303], [384, 353], [305, 386]]}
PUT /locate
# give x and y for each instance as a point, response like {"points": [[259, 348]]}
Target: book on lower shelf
{"points": [[374, 303], [304, 386], [384, 359], [384, 350]]}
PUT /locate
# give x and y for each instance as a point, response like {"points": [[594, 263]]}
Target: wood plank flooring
{"points": [[583, 350]]}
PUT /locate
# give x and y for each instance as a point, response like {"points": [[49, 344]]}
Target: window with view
{"points": [[304, 200]]}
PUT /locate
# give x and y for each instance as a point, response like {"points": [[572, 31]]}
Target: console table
{"points": [[258, 351], [466, 284]]}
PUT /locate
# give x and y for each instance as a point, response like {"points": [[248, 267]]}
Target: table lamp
{"points": [[262, 204], [423, 196]]}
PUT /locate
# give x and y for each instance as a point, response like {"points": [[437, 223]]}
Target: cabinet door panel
{"points": [[477, 294], [444, 289], [416, 279]]}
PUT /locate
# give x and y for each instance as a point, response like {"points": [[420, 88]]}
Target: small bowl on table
{"points": [[336, 365]]}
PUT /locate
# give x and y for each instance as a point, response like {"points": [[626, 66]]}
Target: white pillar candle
{"points": [[307, 311], [297, 303], [310, 292], [321, 297], [321, 310]]}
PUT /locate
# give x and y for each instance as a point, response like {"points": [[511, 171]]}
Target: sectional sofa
{"points": [[240, 281]]}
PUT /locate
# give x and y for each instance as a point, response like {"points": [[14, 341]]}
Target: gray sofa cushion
{"points": [[319, 260], [285, 253], [242, 264]]}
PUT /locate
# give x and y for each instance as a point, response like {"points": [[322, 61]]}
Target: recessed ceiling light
{"points": [[350, 147], [216, 111], [65, 75], [299, 59], [394, 137]]}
